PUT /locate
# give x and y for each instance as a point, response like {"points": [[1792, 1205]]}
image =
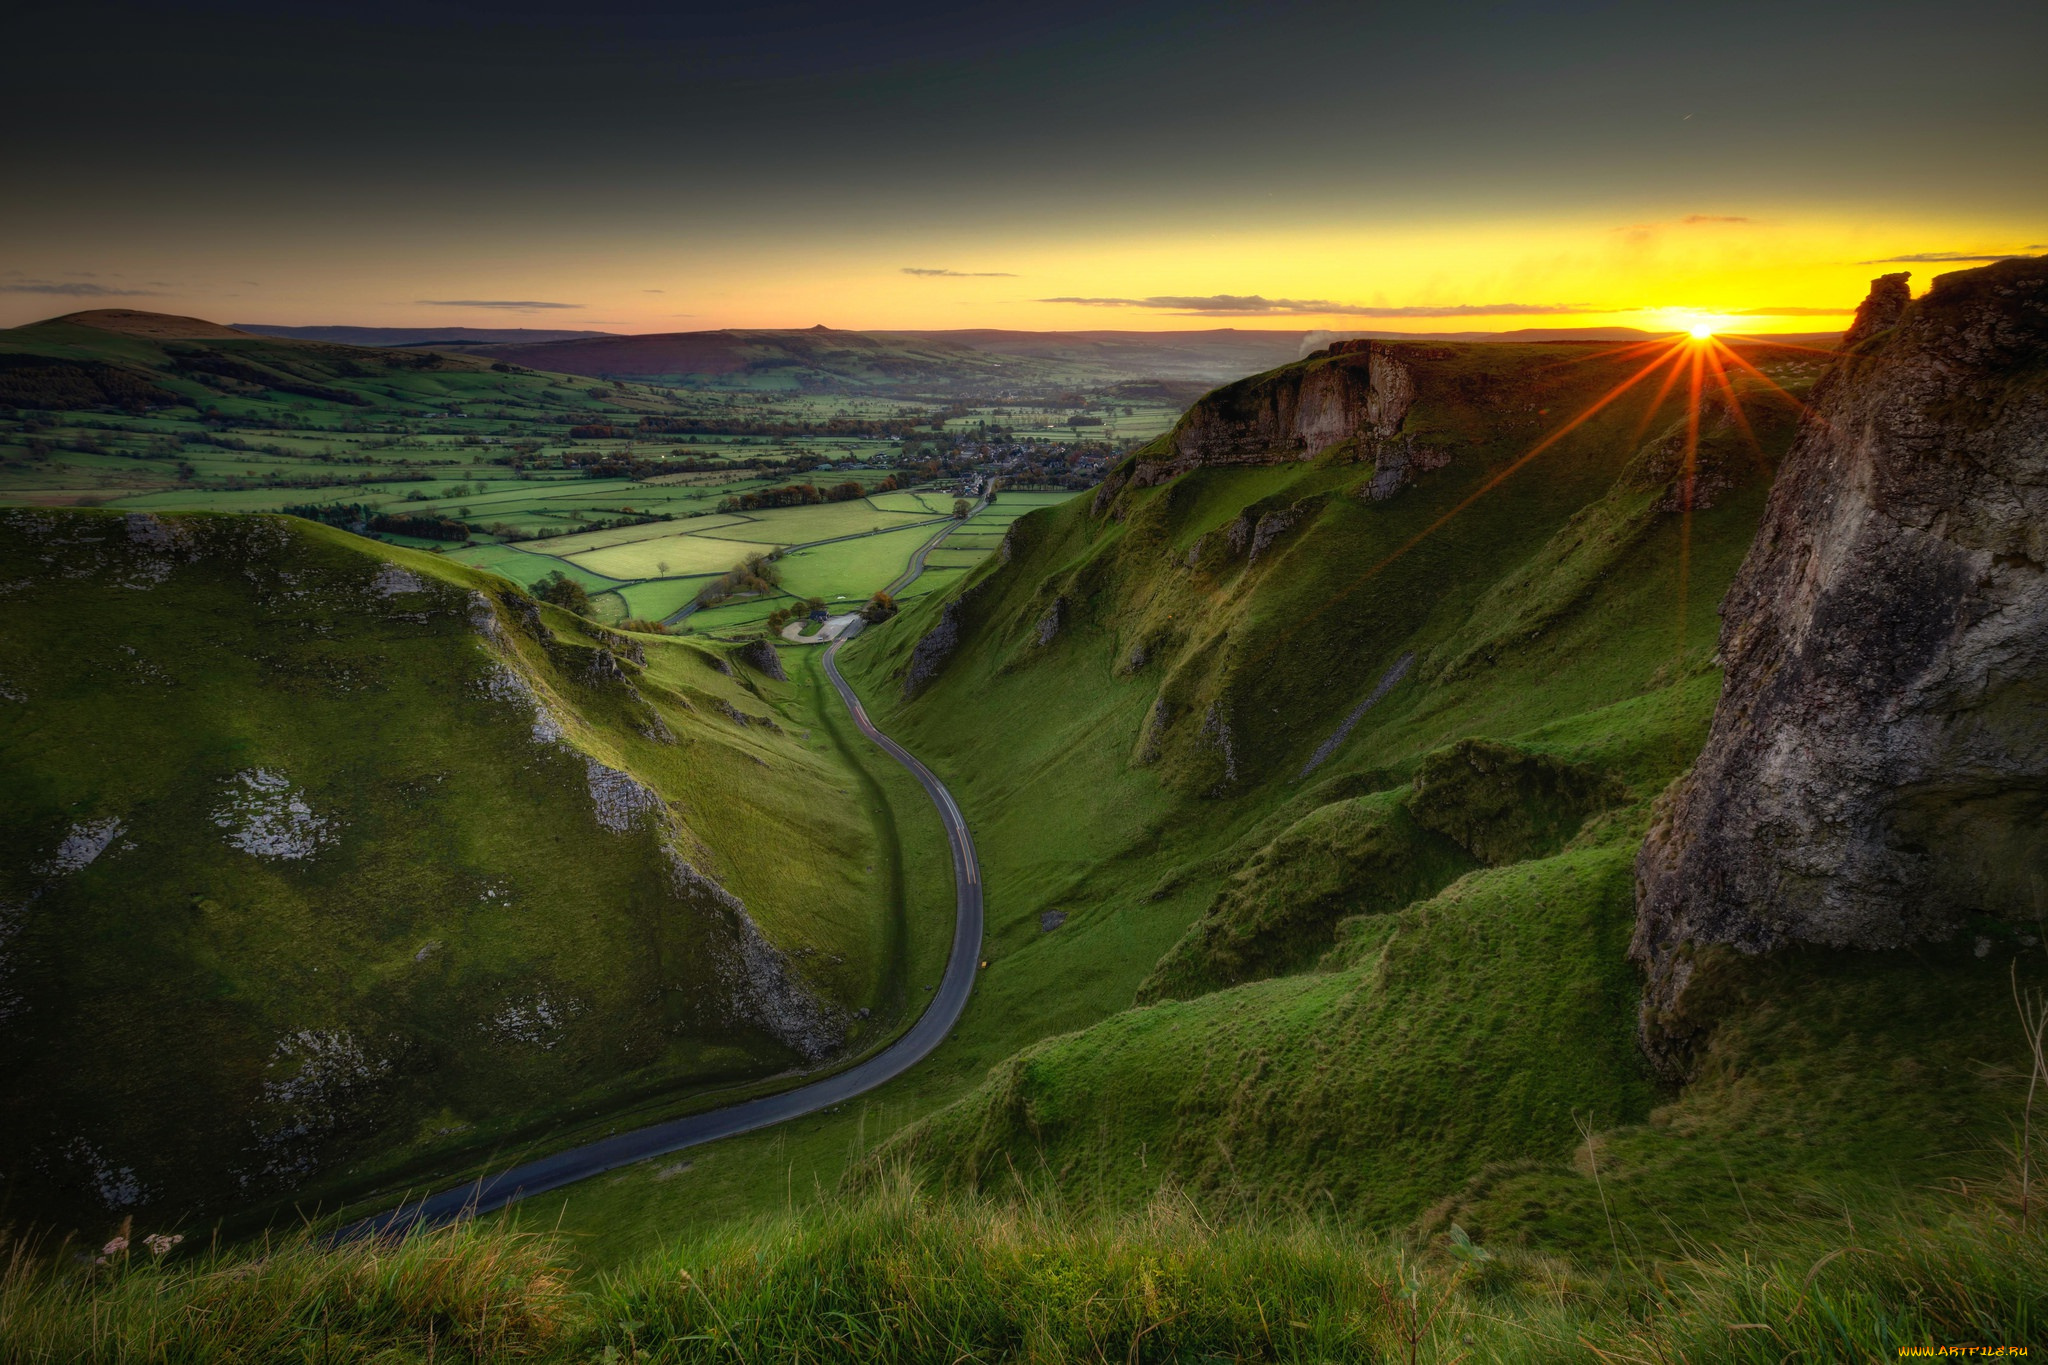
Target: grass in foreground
{"points": [[900, 1277]]}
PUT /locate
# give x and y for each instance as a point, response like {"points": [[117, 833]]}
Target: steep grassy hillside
{"points": [[328, 865], [1108, 874], [1388, 760]]}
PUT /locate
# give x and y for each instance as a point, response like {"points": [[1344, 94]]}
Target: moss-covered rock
{"points": [[1280, 911], [1502, 803]]}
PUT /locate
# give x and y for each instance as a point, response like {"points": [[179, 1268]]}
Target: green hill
{"points": [[1308, 762], [1343, 779], [329, 865]]}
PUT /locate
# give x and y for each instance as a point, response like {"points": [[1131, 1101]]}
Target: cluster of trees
{"points": [[56, 385], [880, 608], [359, 516], [795, 611], [563, 591], [872, 428], [589, 524], [202, 364], [791, 495], [755, 573], [617, 464]]}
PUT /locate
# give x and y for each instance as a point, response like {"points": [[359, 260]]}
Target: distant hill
{"points": [[986, 360], [130, 322], [416, 336], [1213, 356], [136, 360], [818, 359]]}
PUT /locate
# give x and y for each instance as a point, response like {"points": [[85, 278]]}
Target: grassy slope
{"points": [[1439, 1053], [1037, 747], [469, 954], [1459, 1043]]}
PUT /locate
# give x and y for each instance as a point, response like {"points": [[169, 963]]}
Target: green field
{"points": [[659, 598], [845, 569], [802, 525], [528, 469], [527, 567], [675, 556], [626, 535]]}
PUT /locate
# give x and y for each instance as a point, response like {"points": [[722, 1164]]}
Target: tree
{"points": [[960, 509], [564, 592], [879, 609]]}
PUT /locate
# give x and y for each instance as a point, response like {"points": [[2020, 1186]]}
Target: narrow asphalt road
{"points": [[916, 565], [621, 1149]]}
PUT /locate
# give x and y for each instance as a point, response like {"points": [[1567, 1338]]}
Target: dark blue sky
{"points": [[132, 125]]}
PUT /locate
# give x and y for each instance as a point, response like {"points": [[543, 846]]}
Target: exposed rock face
{"points": [[933, 650], [1048, 627], [1878, 765], [938, 644], [1503, 803], [763, 658], [1357, 390]]}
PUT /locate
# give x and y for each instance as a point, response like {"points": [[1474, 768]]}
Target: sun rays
{"points": [[1713, 372]]}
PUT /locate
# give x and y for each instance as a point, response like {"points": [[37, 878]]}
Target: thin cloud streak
{"points": [[1789, 311], [510, 305], [1255, 305], [1939, 257], [929, 272]]}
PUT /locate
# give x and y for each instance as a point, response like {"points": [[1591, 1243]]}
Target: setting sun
{"points": [[1701, 330]]}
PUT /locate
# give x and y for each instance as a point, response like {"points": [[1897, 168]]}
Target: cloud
{"points": [[1790, 311], [654, 291], [1697, 218], [1255, 305], [509, 305], [73, 289], [930, 272], [1937, 257]]}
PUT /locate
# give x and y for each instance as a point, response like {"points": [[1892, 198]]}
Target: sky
{"points": [[1123, 164]]}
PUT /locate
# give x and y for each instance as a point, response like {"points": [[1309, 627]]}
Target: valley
{"points": [[1302, 919]]}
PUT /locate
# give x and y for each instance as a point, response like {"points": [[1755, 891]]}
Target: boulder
{"points": [[763, 658]]}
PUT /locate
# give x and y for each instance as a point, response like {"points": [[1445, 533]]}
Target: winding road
{"points": [[621, 1149]]}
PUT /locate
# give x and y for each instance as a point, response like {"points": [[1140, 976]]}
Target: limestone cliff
{"points": [[1357, 390], [1877, 769]]}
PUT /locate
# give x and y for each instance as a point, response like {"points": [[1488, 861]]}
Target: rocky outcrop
{"points": [[1049, 625], [936, 648], [763, 658], [933, 650], [1877, 770], [1505, 804], [1352, 391]]}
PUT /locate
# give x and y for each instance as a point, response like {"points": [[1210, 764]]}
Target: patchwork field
{"points": [[844, 568], [802, 525], [670, 557], [499, 467]]}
